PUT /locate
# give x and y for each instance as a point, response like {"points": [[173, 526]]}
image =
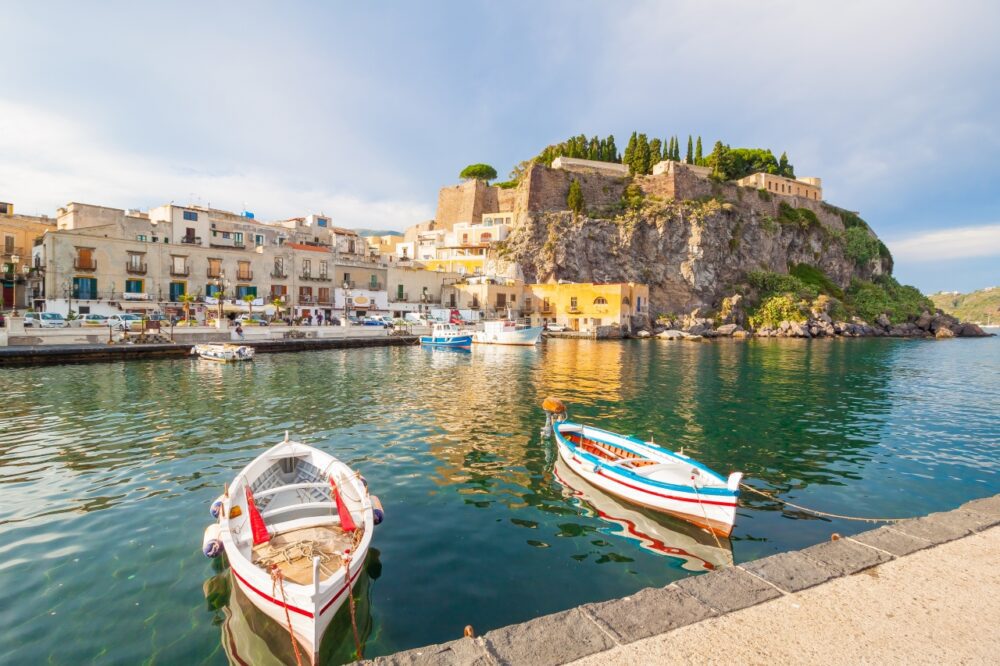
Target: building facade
{"points": [[808, 187], [586, 306], [18, 234]]}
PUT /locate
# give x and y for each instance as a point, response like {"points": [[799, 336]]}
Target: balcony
{"points": [[244, 276], [180, 272], [306, 298], [84, 264], [401, 298], [135, 268], [214, 273], [191, 240], [316, 278], [279, 275], [573, 309], [13, 252]]}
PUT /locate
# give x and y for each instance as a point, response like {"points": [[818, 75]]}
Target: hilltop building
{"points": [[808, 187], [590, 166]]}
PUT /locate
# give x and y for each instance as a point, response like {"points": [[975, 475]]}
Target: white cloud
{"points": [[957, 243], [49, 159]]}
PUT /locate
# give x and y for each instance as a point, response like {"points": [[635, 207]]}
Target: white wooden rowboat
{"points": [[295, 524], [645, 473]]}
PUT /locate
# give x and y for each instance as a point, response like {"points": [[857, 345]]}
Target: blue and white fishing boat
{"points": [[447, 335], [645, 473]]}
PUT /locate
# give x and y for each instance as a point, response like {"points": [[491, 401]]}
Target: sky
{"points": [[363, 110]]}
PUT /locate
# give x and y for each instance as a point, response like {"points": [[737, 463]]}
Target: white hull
{"points": [[711, 506], [526, 337], [224, 353], [292, 477]]}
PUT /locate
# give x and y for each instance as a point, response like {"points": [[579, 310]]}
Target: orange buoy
{"points": [[469, 631], [554, 405]]}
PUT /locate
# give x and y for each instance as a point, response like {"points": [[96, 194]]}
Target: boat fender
{"points": [[211, 543], [217, 506], [363, 480], [378, 513]]}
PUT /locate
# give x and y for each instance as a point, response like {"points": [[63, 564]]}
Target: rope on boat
{"points": [[277, 579], [350, 599], [823, 514], [708, 524]]}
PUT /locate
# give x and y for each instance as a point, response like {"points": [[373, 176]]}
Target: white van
{"points": [[45, 320]]}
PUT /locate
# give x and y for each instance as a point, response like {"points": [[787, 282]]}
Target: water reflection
{"points": [[693, 549]]}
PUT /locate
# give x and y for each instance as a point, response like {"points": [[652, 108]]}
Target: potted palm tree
{"points": [[249, 299], [277, 303], [187, 300]]}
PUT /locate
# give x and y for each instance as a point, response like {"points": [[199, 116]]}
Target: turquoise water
{"points": [[107, 472]]}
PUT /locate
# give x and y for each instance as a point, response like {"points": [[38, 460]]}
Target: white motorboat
{"points": [[295, 524], [507, 332], [224, 353]]}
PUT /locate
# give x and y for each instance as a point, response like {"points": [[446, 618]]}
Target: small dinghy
{"points": [[224, 353], [645, 473], [446, 335], [295, 524]]}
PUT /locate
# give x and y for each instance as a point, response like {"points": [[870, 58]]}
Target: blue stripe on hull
{"points": [[460, 341]]}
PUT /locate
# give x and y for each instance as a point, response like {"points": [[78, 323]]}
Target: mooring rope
{"points": [[819, 513], [350, 598], [276, 579]]}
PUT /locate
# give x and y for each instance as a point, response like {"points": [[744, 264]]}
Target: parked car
{"points": [[377, 320], [555, 328], [94, 320], [251, 320], [125, 322], [45, 320]]}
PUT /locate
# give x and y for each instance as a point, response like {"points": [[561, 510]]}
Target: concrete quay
{"points": [[924, 590], [51, 354]]}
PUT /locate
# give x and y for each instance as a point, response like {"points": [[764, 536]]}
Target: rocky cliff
{"points": [[693, 241]]}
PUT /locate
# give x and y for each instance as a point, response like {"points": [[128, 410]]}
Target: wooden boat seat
{"points": [[292, 508], [293, 551]]}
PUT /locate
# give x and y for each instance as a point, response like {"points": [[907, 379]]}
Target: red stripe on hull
{"points": [[294, 609], [670, 497]]}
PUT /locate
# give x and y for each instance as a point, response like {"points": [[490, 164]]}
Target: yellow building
{"points": [[586, 306], [383, 246], [17, 237], [807, 187]]}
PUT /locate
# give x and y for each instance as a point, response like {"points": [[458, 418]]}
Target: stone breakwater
{"points": [[819, 325]]}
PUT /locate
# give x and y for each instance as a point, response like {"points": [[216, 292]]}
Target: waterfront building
{"points": [[463, 249], [106, 260], [487, 297], [808, 187], [586, 306], [414, 289], [17, 236]]}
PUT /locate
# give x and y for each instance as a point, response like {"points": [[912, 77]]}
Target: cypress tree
{"points": [[642, 156], [574, 200], [698, 157], [593, 151], [783, 168], [690, 153], [612, 149], [655, 151], [630, 152], [677, 149]]}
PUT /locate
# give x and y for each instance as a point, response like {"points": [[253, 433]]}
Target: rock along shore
{"points": [[801, 600]]}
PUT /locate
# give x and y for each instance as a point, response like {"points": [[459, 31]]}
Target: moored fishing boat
{"points": [[295, 524], [692, 548], [446, 335], [224, 353], [507, 332], [645, 473]]}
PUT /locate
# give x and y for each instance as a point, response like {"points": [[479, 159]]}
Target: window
{"points": [[527, 302], [238, 238], [323, 267], [135, 262], [485, 237], [85, 258], [306, 268], [133, 286], [324, 295], [85, 288], [322, 221], [226, 235], [572, 303], [141, 238], [350, 245], [245, 290], [258, 240], [501, 301], [8, 244], [373, 283], [600, 300], [347, 278], [279, 267], [243, 271], [278, 291], [190, 216], [465, 239], [177, 289], [305, 294], [399, 292], [212, 289], [178, 265], [214, 268], [626, 301]]}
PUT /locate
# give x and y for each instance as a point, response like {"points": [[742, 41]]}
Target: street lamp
{"points": [[347, 287]]}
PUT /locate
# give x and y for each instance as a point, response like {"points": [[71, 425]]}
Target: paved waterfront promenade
{"points": [[925, 590]]}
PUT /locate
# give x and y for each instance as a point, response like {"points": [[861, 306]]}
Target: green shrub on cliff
{"points": [[815, 277], [770, 284], [574, 200], [776, 309], [734, 163], [860, 246], [885, 295]]}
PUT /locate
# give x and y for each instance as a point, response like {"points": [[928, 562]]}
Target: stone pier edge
{"points": [[595, 627]]}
